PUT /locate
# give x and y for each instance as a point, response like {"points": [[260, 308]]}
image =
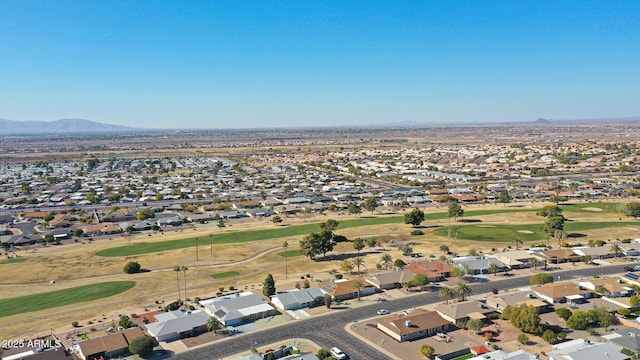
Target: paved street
{"points": [[328, 330]]}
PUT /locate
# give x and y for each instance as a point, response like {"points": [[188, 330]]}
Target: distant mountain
{"points": [[13, 127]]}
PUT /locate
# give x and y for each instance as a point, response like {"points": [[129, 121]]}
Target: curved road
{"points": [[328, 330]]}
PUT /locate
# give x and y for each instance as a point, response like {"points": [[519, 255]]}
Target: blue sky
{"points": [[244, 64]]}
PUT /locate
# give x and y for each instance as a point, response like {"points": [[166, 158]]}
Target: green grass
{"points": [[506, 233], [13, 260], [294, 230], [57, 298], [225, 274], [290, 253], [464, 357], [606, 207]]}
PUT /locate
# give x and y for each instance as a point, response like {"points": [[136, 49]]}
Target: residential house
{"points": [[434, 270], [297, 299], [417, 324], [586, 350], [607, 286], [567, 291], [627, 337], [514, 259], [344, 289], [238, 308], [461, 312], [596, 252], [174, 325], [501, 355], [501, 301], [555, 256], [101, 229], [112, 345], [390, 279], [477, 264]]}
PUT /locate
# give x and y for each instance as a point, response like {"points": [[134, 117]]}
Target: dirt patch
{"points": [[525, 232]]}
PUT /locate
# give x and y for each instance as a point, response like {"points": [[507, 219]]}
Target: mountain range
{"points": [[13, 127]]}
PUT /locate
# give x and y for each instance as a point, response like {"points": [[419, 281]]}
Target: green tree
{"points": [[346, 265], [420, 280], [399, 263], [523, 339], [634, 300], [504, 198], [541, 279], [387, 260], [327, 300], [553, 224], [132, 267], [276, 219], [329, 225], [524, 317], [358, 286], [462, 290], [371, 203], [475, 325], [549, 336], [269, 287], [632, 209], [446, 294], [557, 198], [564, 313], [48, 238], [494, 269], [213, 324], [427, 351], [406, 250], [455, 211], [579, 320], [358, 262], [142, 345], [549, 211], [324, 354], [358, 244], [145, 214], [414, 217], [372, 242], [355, 209], [445, 249]]}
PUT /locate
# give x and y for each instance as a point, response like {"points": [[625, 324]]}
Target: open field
{"points": [[57, 298], [13, 260], [250, 255]]}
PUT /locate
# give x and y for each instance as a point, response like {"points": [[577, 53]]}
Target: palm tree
{"points": [[517, 242], [285, 245], [561, 236], [446, 294], [587, 259], [494, 268], [177, 269], [358, 286], [386, 260], [616, 250], [463, 290], [214, 324], [357, 262], [184, 272], [534, 261]]}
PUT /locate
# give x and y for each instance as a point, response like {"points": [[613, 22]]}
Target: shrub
{"points": [[417, 232], [523, 339], [495, 290], [132, 267], [221, 288], [550, 337], [75, 324], [142, 345], [338, 276], [624, 312]]}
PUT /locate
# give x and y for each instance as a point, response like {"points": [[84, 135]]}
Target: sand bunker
{"points": [[592, 209], [486, 226], [525, 232]]}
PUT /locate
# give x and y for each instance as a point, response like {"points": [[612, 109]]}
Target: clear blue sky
{"points": [[240, 64]]}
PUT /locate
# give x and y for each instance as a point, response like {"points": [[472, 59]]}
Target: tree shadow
{"points": [[468, 221], [576, 235]]}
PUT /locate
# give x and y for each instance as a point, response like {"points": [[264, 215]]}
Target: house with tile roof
{"points": [[111, 345], [461, 312], [344, 289], [419, 323], [567, 291], [434, 270]]}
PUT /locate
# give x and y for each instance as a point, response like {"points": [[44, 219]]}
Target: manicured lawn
{"points": [[605, 207], [225, 274], [290, 253], [52, 299], [13, 260], [506, 233], [465, 357], [285, 231], [494, 233]]}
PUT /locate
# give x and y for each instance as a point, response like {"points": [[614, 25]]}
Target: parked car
{"points": [[337, 353], [628, 268], [382, 312]]}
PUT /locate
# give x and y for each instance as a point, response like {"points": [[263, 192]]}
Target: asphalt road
{"points": [[328, 330]]}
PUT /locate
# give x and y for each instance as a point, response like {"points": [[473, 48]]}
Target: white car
{"points": [[337, 353], [383, 312]]}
